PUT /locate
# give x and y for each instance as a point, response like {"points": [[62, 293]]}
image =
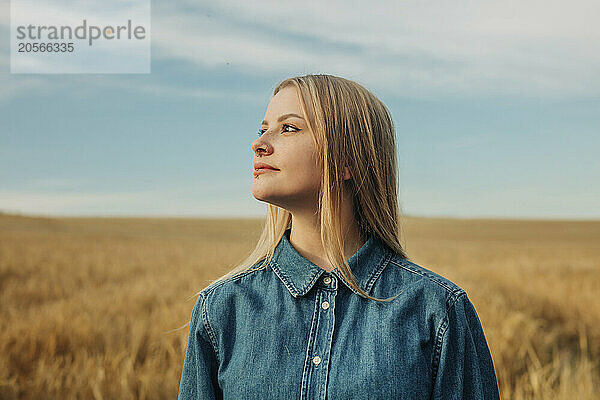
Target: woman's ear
{"points": [[347, 174]]}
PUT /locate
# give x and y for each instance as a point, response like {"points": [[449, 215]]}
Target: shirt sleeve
{"points": [[199, 374], [465, 367]]}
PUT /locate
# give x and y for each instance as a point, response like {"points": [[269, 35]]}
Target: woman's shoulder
{"points": [[412, 276], [231, 282], [220, 291]]}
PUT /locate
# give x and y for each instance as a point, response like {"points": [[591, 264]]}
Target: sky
{"points": [[496, 107]]}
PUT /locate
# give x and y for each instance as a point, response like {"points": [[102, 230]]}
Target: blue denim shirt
{"points": [[293, 330]]}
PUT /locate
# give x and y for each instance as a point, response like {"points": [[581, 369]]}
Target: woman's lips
{"points": [[263, 170]]}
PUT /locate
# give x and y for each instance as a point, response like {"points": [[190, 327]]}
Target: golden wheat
{"points": [[89, 307]]}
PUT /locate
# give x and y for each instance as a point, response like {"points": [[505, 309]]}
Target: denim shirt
{"points": [[293, 330]]}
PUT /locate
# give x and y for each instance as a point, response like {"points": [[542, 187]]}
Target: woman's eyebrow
{"points": [[281, 118]]}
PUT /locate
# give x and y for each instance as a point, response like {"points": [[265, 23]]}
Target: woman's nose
{"points": [[260, 145]]}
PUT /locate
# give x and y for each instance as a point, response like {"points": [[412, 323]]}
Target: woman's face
{"points": [[286, 144]]}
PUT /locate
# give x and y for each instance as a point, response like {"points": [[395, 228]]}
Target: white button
{"points": [[316, 360], [325, 305], [327, 280]]}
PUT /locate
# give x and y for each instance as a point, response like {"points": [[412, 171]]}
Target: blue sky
{"points": [[496, 106]]}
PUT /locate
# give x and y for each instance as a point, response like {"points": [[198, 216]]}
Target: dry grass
{"points": [[87, 306]]}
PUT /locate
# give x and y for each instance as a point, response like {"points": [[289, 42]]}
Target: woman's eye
{"points": [[285, 126]]}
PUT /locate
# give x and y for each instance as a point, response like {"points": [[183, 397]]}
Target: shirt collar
{"points": [[299, 274]]}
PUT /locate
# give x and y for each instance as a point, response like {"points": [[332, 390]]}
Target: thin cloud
{"points": [[49, 202], [53, 183], [407, 48], [162, 89], [546, 48], [162, 202], [512, 201]]}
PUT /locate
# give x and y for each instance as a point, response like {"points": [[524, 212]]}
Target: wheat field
{"points": [[90, 307]]}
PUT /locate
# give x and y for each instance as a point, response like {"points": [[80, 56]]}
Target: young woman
{"points": [[328, 306]]}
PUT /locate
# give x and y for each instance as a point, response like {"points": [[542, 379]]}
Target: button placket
{"points": [[314, 377]]}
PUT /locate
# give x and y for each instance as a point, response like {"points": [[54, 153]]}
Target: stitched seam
{"points": [[286, 281], [441, 331], [385, 260], [212, 286], [208, 328], [312, 282], [306, 372], [205, 295], [433, 278], [406, 268], [304, 288]]}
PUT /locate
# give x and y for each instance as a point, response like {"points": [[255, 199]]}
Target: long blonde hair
{"points": [[351, 128]]}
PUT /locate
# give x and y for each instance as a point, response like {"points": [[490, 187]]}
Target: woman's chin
{"points": [[260, 194]]}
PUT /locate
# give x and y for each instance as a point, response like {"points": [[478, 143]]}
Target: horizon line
{"points": [[222, 217]]}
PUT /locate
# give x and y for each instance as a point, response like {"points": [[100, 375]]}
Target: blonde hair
{"points": [[351, 128]]}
